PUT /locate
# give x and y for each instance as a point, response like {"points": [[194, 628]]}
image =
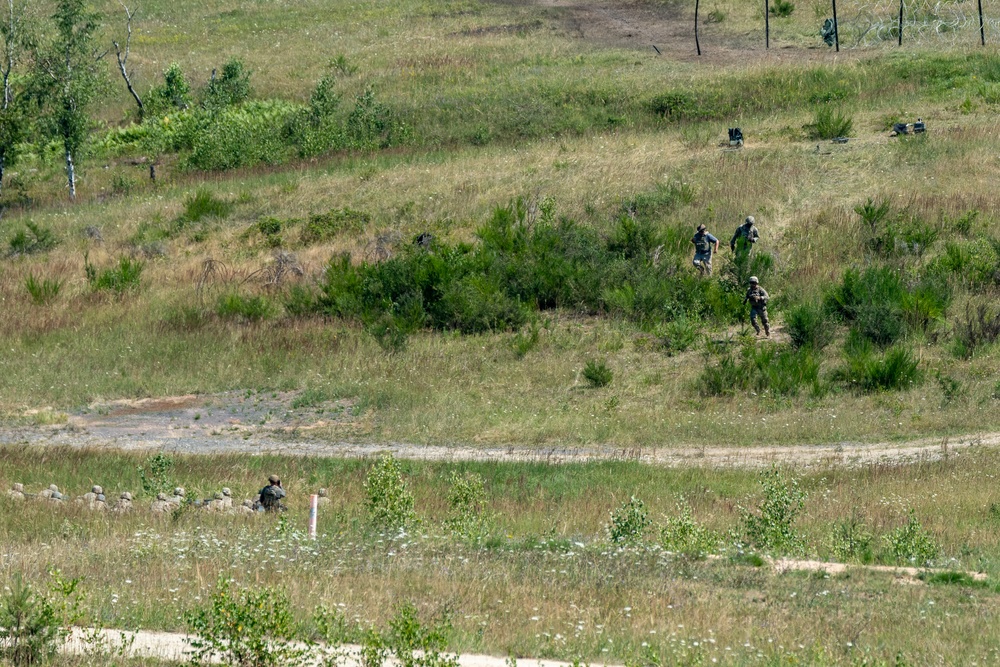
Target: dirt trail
{"points": [[174, 647], [289, 424]]}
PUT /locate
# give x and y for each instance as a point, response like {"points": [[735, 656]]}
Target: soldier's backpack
{"points": [[268, 497]]}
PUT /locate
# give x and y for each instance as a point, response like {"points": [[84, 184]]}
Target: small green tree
{"points": [[245, 628], [389, 502], [629, 522], [30, 627], [770, 526], [467, 500], [231, 87], [71, 78]]}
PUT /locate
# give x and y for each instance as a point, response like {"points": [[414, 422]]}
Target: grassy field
{"points": [[638, 603], [215, 279]]}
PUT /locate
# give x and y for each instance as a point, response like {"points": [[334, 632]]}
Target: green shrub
{"points": [[597, 373], [417, 644], [389, 502], [42, 291], [371, 125], [769, 527], [245, 628], [31, 629], [808, 326], [156, 476], [629, 522], [299, 301], [683, 535], [238, 306], [32, 239], [783, 9], [868, 371], [911, 544], [172, 95], [678, 335], [325, 226], [873, 302], [829, 123], [851, 540], [127, 275], [204, 204], [767, 369], [469, 517], [243, 136], [230, 88], [978, 328]]}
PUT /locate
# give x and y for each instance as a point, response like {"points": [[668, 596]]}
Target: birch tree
{"points": [[72, 78]]}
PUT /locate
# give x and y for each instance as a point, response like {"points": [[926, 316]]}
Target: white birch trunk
{"points": [[71, 175]]}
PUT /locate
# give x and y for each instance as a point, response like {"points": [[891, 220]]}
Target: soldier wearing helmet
{"points": [[744, 237], [757, 297]]}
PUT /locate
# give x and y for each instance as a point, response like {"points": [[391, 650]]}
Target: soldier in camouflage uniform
{"points": [[757, 296], [744, 237], [704, 245]]}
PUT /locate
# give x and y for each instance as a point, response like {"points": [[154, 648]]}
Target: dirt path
{"points": [[287, 424], [174, 647]]}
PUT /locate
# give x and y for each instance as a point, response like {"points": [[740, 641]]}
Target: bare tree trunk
{"points": [[767, 26], [2, 160], [71, 175], [697, 45], [123, 57], [836, 28]]}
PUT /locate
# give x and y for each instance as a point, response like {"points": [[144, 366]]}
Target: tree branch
{"points": [[123, 56]]}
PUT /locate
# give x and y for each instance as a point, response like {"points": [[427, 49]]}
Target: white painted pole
{"points": [[313, 507]]}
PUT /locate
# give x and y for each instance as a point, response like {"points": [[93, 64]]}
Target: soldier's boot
{"points": [[767, 330]]}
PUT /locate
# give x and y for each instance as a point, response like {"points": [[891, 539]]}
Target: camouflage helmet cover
{"points": [[753, 280], [749, 220]]}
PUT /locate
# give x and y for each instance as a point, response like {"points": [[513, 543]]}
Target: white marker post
{"points": [[313, 507]]}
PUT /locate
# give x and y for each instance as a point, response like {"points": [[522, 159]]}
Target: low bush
{"points": [[32, 239], [979, 327], [809, 326], [30, 627], [387, 498], [172, 95], [470, 518], [234, 305], [245, 628], [629, 522], [231, 87], [829, 123], [324, 226], [157, 475], [127, 275], [518, 265], [852, 541], [418, 644], [881, 308], [770, 526], [682, 535], [204, 204], [783, 9], [597, 374], [868, 371], [911, 544], [42, 291], [241, 136], [678, 335], [768, 369]]}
